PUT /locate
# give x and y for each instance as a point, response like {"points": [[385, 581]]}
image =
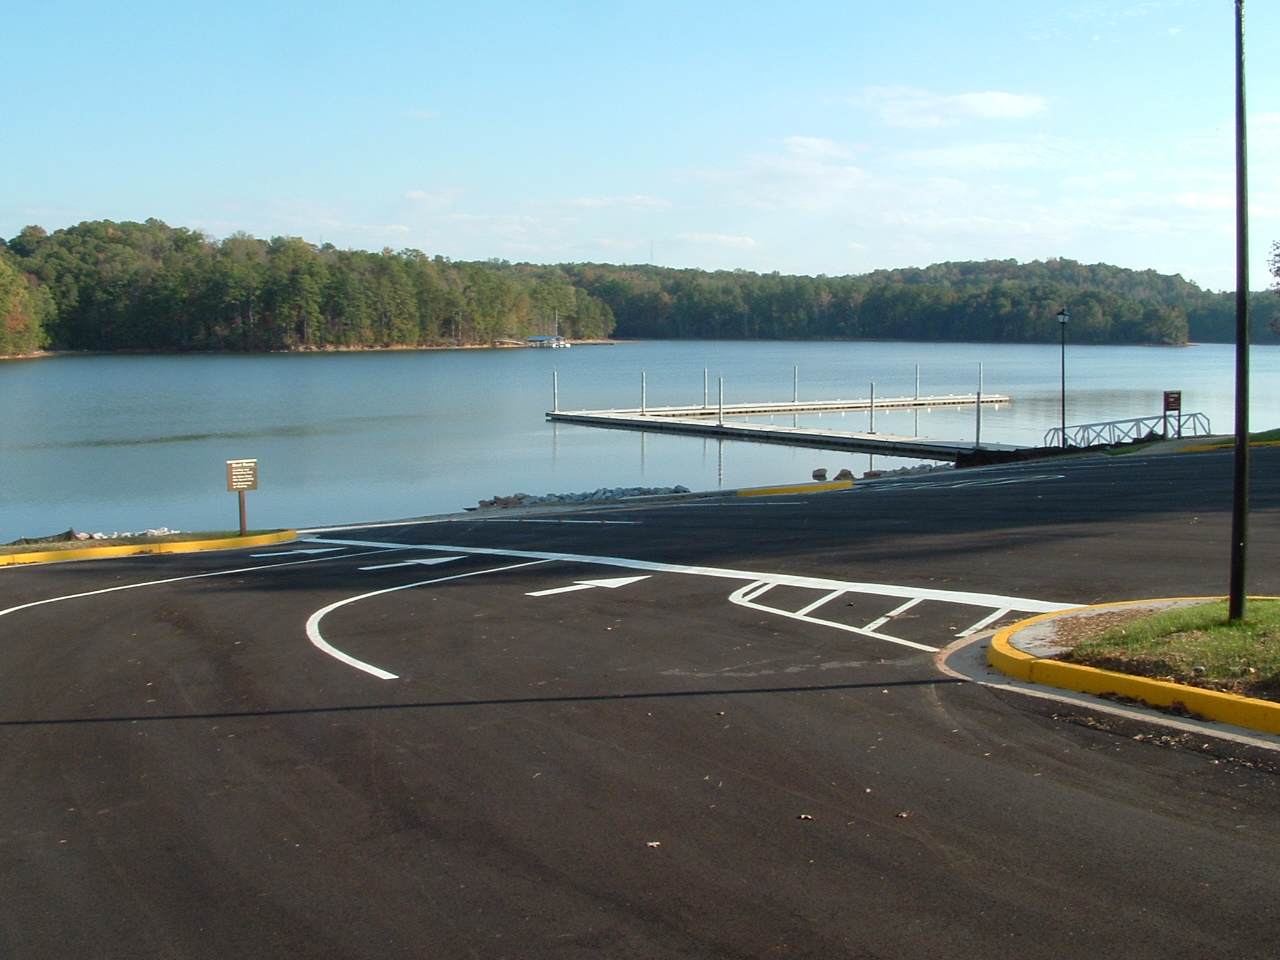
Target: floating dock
{"points": [[709, 421]]}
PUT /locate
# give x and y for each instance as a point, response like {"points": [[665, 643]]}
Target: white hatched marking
{"points": [[877, 624], [819, 602], [992, 618]]}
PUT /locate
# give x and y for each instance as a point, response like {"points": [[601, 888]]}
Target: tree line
{"points": [[102, 285]]}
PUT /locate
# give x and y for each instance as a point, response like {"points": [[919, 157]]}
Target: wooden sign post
{"points": [[242, 475]]}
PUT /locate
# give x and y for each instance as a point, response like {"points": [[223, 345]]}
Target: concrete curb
{"points": [[1230, 708], [129, 550]]}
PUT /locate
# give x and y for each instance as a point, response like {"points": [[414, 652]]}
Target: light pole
{"points": [[1063, 317], [1240, 485]]}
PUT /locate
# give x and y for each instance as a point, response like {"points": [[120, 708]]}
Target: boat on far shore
{"points": [[556, 341]]}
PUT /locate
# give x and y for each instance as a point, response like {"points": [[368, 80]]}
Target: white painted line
{"points": [[992, 600], [569, 589], [731, 499], [317, 638], [750, 592], [803, 611], [587, 585], [156, 583], [425, 562], [877, 624], [286, 553], [991, 618], [632, 523], [737, 597]]}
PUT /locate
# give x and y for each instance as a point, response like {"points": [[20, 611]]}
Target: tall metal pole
{"points": [[555, 391], [720, 416], [1240, 489], [795, 384], [872, 426], [644, 385], [705, 402], [1063, 316]]}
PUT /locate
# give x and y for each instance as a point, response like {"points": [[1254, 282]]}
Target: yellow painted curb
{"points": [[129, 550], [1227, 446], [796, 488], [1231, 708]]}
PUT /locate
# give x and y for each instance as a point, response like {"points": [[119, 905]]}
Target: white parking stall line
{"points": [[318, 640], [896, 611], [819, 602]]}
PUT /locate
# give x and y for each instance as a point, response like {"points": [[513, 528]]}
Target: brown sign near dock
{"points": [[242, 475]]}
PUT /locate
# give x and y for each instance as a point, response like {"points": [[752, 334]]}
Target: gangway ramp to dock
{"points": [[710, 421]]}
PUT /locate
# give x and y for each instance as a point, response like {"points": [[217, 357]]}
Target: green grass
{"points": [[1195, 645], [123, 541]]}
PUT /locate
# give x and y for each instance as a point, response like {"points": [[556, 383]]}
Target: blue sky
{"points": [[804, 137]]}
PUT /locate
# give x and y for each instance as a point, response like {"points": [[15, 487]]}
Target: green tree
{"points": [[291, 294], [24, 305]]}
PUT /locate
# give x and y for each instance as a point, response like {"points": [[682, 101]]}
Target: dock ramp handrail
{"points": [[1111, 432]]}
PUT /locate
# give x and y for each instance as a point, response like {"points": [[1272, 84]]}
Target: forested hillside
{"points": [[144, 286], [102, 285]]}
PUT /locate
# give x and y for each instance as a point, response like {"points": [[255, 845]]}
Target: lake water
{"points": [[108, 443]]}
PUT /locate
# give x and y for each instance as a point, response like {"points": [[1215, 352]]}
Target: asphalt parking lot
{"points": [[697, 728]]}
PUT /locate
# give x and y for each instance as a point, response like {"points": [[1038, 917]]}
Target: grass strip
{"points": [[1195, 646]]}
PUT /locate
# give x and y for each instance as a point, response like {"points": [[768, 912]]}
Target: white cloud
{"points": [[795, 179], [1099, 181], [814, 147], [1206, 201], [433, 199], [637, 202], [718, 240], [923, 110], [973, 157]]}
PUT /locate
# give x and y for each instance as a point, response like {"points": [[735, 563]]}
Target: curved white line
{"points": [[317, 638], [193, 576]]}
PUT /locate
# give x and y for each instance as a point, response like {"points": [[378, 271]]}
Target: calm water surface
{"points": [[125, 443]]}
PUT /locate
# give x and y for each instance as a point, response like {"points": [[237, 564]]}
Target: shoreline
{"points": [[606, 341], [44, 354]]}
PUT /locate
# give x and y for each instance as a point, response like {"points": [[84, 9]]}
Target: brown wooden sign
{"points": [[242, 475], [1173, 401]]}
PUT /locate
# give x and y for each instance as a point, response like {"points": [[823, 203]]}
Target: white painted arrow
{"points": [[613, 584], [285, 553], [428, 562]]}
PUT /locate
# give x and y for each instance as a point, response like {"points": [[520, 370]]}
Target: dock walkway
{"points": [[709, 421]]}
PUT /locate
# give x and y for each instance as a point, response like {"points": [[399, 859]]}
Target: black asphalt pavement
{"points": [[690, 729]]}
